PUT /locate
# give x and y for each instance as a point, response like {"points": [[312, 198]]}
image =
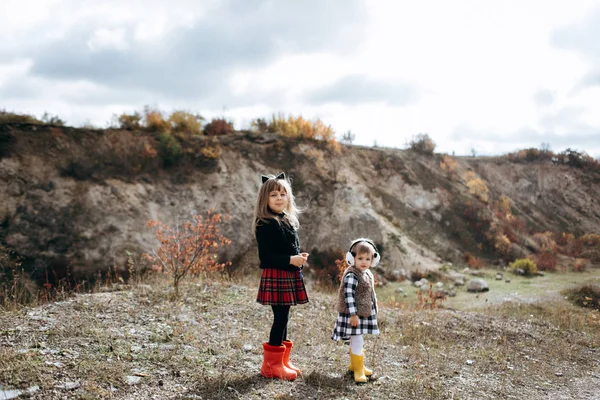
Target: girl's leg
{"points": [[280, 320], [356, 344]]}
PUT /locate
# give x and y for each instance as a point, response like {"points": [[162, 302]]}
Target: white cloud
{"points": [[495, 75], [108, 39]]}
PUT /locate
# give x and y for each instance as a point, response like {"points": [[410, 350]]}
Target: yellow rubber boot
{"points": [[359, 368], [368, 372]]}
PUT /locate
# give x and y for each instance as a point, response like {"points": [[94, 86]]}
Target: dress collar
{"points": [[280, 215]]}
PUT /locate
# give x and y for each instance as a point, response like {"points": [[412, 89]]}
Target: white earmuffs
{"points": [[351, 254]]}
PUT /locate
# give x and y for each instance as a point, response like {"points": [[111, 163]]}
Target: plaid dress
{"points": [[281, 284], [342, 329]]}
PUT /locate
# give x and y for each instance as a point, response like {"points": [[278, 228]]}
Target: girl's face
{"points": [[278, 200], [363, 261]]}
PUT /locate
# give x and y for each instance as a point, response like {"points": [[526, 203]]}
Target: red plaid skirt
{"points": [[281, 288]]}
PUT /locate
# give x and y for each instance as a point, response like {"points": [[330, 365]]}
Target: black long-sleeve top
{"points": [[276, 243]]}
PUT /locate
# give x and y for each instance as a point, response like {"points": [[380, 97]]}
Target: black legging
{"points": [[279, 328]]}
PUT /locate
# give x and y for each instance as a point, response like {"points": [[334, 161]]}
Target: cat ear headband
{"points": [[266, 178]]}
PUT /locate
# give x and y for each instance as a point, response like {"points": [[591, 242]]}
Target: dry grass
{"points": [[208, 345]]}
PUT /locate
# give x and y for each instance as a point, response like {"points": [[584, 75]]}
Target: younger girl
{"points": [[357, 304], [281, 283]]}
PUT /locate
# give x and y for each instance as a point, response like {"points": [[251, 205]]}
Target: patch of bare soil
{"points": [[135, 343]]}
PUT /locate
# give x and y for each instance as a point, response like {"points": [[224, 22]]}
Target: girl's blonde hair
{"points": [[364, 247], [262, 212]]}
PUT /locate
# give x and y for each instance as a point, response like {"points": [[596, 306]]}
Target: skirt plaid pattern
{"points": [[281, 288]]}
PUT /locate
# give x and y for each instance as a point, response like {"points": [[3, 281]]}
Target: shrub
{"points": [[13, 118], [185, 122], [348, 137], [188, 248], [528, 266], [545, 241], [422, 143], [218, 126], [476, 186], [530, 155], [325, 266], [211, 152], [448, 165], [586, 295], [130, 122], [590, 239], [52, 120], [503, 205], [169, 149], [545, 260], [259, 125], [154, 120], [502, 245], [580, 265], [472, 261], [299, 127], [576, 159]]}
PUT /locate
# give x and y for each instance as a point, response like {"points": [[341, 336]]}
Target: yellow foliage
{"points": [[502, 244], [130, 121], [478, 189], [211, 152], [183, 121], [504, 205], [590, 239], [528, 266], [300, 127], [448, 164], [155, 121]]}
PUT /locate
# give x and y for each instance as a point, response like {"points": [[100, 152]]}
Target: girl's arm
{"points": [[350, 285], [267, 252]]}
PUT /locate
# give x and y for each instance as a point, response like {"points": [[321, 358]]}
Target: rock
{"points": [[519, 271], [451, 293], [9, 394], [507, 281], [540, 273], [247, 347], [469, 362], [400, 290], [439, 285], [499, 276], [477, 285], [133, 380]]}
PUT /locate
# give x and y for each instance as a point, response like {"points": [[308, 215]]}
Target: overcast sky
{"points": [[488, 75]]}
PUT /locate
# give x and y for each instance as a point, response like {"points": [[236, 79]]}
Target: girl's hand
{"points": [[354, 321], [305, 255], [297, 260]]}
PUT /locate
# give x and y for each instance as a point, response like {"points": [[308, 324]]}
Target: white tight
{"points": [[356, 344]]}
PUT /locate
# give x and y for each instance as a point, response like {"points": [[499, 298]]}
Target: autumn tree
{"points": [[189, 248]]}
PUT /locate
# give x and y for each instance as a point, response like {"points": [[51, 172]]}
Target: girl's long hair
{"points": [[262, 212]]}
